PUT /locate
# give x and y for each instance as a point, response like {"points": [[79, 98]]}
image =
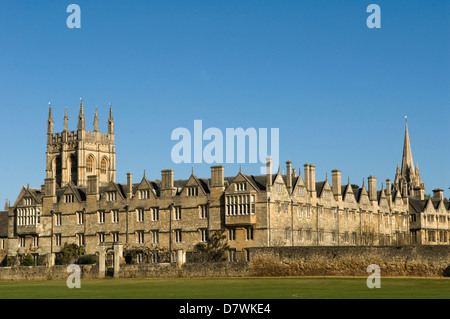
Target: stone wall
{"points": [[421, 261], [414, 261], [44, 273]]}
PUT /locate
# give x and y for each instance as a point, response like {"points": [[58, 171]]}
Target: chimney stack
{"points": [[92, 185], [312, 178], [129, 185], [50, 187], [307, 178], [336, 184], [289, 176], [217, 175], [372, 188], [388, 187], [438, 194], [269, 174]]}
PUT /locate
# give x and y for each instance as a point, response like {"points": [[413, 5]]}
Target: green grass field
{"points": [[230, 288]]}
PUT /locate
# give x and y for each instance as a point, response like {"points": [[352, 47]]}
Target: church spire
{"points": [[407, 160], [81, 117]]}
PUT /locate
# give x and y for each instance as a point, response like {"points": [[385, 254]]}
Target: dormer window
{"points": [[27, 201], [279, 188], [69, 198], [192, 191], [144, 194], [241, 186], [111, 196]]}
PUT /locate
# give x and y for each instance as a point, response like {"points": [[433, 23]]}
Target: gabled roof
{"points": [[418, 204], [4, 224]]}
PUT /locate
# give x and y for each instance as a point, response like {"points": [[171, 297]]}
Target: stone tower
{"points": [[407, 178], [72, 156]]}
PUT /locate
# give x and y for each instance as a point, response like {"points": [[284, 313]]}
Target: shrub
{"points": [[69, 254], [87, 260], [27, 261]]}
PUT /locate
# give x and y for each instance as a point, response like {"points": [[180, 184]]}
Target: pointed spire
{"points": [[50, 122], [144, 175], [96, 120], [50, 113], [110, 121], [407, 160], [81, 117], [66, 120]]}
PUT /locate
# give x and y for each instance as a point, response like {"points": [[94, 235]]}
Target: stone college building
{"points": [[81, 202]]}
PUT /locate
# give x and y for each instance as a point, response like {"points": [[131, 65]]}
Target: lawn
{"points": [[230, 288]]}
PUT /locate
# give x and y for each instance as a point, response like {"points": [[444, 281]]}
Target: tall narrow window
{"points": [[177, 213], [104, 166], [90, 164]]}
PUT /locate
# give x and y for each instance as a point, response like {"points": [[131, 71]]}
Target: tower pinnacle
{"points": [[81, 117]]}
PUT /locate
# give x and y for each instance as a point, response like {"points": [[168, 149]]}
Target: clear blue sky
{"points": [[337, 90]]}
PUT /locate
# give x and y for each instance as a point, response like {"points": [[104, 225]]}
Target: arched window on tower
{"points": [[104, 166], [90, 165], [56, 169], [72, 168]]}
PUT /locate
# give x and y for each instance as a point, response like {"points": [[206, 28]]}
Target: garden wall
{"points": [[414, 261]]}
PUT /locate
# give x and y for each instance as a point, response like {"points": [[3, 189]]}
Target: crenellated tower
{"points": [[72, 156]]}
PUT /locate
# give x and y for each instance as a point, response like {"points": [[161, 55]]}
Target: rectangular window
{"points": [[21, 241], [253, 204], [35, 241], [155, 237], [231, 234], [192, 191], [69, 198], [308, 235], [177, 213], [178, 238], [249, 233], [140, 215], [115, 237], [144, 194], [111, 196], [334, 236], [80, 218], [58, 240], [101, 217], [241, 186], [140, 237], [204, 235], [155, 214], [231, 255], [101, 237], [80, 239], [58, 219], [115, 216], [203, 211]]}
